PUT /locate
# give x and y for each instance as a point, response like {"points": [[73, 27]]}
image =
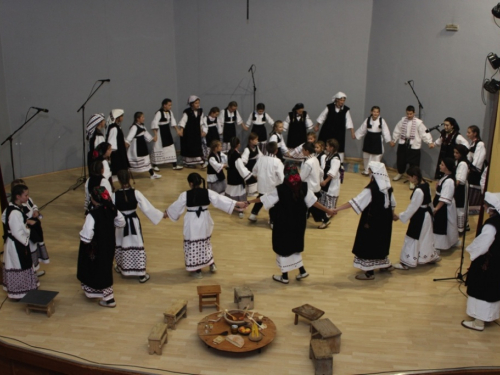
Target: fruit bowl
{"points": [[239, 315], [245, 331]]}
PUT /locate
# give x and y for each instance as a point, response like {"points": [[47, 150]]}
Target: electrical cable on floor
{"points": [[98, 363]]}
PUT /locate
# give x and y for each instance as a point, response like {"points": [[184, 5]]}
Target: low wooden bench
{"points": [[208, 295], [40, 300], [307, 311], [243, 296], [157, 338], [175, 313], [321, 354], [324, 329]]}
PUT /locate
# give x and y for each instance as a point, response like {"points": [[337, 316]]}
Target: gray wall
{"points": [[51, 53], [409, 42], [304, 51]]}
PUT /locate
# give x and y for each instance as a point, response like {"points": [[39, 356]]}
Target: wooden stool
{"points": [[243, 296], [324, 329], [321, 354], [207, 293], [308, 312], [175, 313], [157, 338], [40, 300]]}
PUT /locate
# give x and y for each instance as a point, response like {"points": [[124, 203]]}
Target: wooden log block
{"points": [[176, 312], [244, 297], [157, 338], [321, 354], [324, 329]]}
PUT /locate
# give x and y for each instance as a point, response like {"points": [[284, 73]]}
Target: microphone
{"points": [[249, 70], [40, 109], [408, 82], [104, 80], [434, 128]]}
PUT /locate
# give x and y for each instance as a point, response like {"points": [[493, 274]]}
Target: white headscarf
{"points": [[192, 99], [380, 175], [339, 95], [493, 199], [113, 115], [92, 124]]}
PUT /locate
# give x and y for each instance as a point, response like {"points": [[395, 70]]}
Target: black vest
{"points": [[372, 143], [142, 145], [229, 130], [23, 251], [197, 197], [417, 220], [119, 158], [334, 126], [211, 170], [252, 158], [297, 131], [233, 176], [125, 200], [164, 129], [483, 278], [441, 216]]}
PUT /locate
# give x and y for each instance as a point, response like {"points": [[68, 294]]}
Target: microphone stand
{"points": [[9, 138], [83, 179], [252, 68], [420, 106], [460, 276]]}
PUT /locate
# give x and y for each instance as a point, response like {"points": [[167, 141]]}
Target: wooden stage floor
{"points": [[401, 321]]}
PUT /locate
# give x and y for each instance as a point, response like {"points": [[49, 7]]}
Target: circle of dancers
{"points": [[292, 180]]}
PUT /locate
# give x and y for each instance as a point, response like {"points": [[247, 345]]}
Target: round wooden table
{"points": [[221, 325]]}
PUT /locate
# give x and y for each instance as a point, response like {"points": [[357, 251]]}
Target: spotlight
{"points": [[496, 11], [494, 60], [492, 86]]}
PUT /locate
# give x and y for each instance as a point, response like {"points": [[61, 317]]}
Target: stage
{"points": [[401, 321]]}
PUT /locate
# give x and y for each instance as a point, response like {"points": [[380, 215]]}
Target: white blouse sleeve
{"points": [[239, 120], [87, 232], [286, 123], [447, 191], [310, 198], [250, 119], [385, 132], [348, 120], [309, 123], [270, 199], [415, 203], [215, 164], [175, 210], [242, 170], [361, 201], [483, 242], [112, 139], [119, 220], [148, 209], [269, 119], [360, 133], [18, 228], [147, 136], [479, 156], [131, 134], [461, 172], [334, 168], [156, 120], [322, 117], [173, 122], [221, 202], [245, 155], [183, 121]]}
